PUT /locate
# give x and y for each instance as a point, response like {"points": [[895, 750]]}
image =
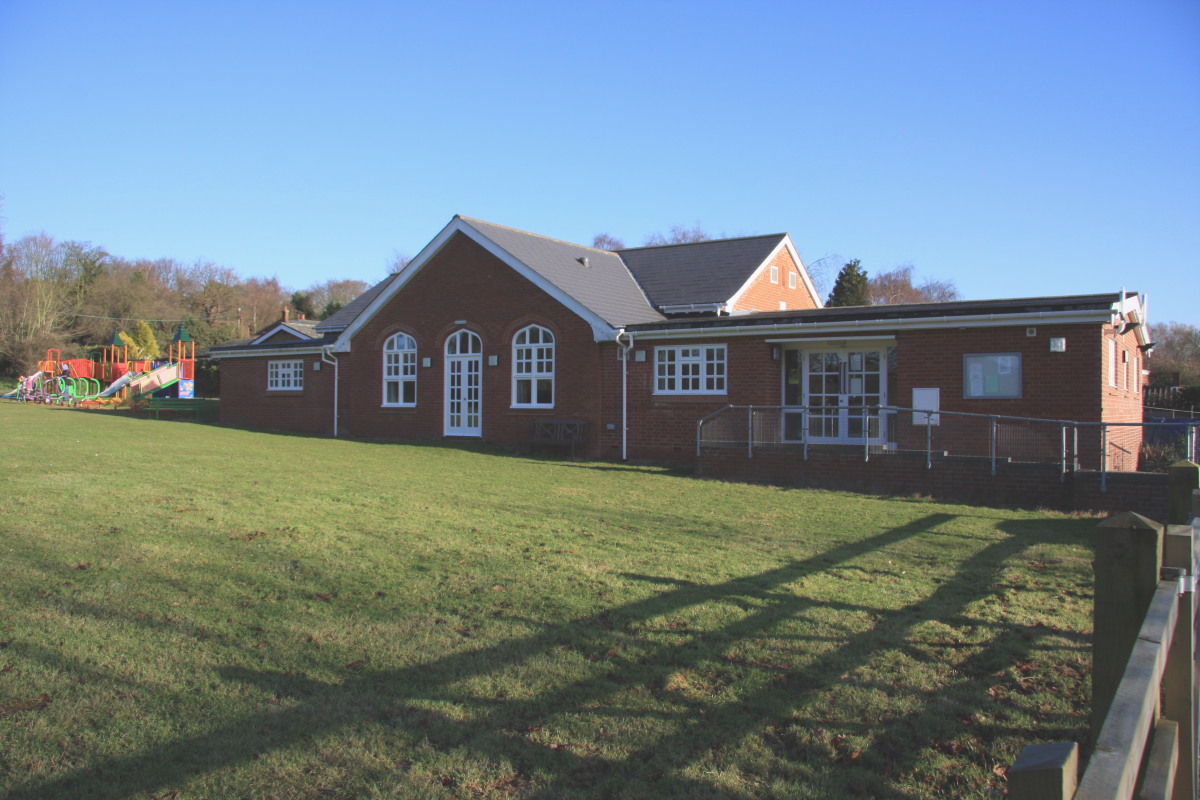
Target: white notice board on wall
{"points": [[926, 400]]}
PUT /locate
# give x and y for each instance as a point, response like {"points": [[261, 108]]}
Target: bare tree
{"points": [[328, 297], [896, 287], [606, 241], [679, 234], [261, 300], [819, 270], [397, 262], [38, 299], [1175, 359]]}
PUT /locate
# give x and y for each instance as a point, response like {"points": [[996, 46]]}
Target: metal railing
{"points": [[884, 430]]}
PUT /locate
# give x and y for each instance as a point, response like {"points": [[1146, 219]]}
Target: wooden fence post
{"points": [[1128, 559], [1183, 479], [1180, 698], [1045, 772]]}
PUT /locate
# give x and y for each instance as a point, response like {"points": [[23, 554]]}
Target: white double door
{"points": [[842, 390]]}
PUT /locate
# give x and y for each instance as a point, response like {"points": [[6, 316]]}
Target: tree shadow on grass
{"points": [[808, 744]]}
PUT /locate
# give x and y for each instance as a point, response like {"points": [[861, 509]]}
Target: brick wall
{"points": [[465, 287], [1056, 386], [762, 295], [965, 480], [663, 427], [245, 399]]}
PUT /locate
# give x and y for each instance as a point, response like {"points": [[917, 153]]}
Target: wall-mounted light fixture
{"points": [[774, 352]]}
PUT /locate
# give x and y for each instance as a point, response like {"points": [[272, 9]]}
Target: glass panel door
{"points": [[464, 386], [839, 387]]}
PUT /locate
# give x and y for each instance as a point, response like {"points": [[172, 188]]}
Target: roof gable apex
{"points": [[602, 329]]}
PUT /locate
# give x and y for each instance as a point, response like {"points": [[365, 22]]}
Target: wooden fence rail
{"points": [[1145, 692]]}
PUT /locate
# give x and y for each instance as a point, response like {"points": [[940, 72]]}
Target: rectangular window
{"points": [[774, 274], [791, 280], [1137, 374], [992, 375], [285, 375], [1112, 363], [689, 370]]}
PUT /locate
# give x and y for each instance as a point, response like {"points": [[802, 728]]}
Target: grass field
{"points": [[190, 611]]}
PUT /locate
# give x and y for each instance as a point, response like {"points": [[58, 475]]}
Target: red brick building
{"points": [[489, 329]]}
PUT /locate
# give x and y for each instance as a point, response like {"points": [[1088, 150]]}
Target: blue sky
{"points": [[1016, 148]]}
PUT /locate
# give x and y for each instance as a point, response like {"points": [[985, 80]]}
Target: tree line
{"points": [[75, 297]]}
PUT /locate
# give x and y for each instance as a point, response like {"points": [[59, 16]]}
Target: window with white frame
{"points": [[400, 371], [1112, 363], [791, 280], [774, 274], [533, 368], [285, 375], [690, 370]]}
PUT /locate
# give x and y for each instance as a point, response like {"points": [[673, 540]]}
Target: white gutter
{"points": [[860, 326], [291, 351], [328, 357], [625, 350], [718, 308]]}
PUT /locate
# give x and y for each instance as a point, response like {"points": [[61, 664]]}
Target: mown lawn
{"points": [[190, 611]]}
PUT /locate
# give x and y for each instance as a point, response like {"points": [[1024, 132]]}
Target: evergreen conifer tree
{"points": [[850, 289]]}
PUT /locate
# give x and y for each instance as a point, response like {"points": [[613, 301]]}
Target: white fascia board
{"points": [[821, 339], [861, 326], [601, 329], [291, 351], [784, 244], [282, 326]]}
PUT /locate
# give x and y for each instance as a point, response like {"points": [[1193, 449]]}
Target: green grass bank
{"points": [[191, 611]]}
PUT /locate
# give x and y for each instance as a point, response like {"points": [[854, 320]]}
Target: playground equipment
{"points": [[114, 379]]}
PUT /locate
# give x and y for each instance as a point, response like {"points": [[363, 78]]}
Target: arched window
{"points": [[400, 371], [533, 368]]}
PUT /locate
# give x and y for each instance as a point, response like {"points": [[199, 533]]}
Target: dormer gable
{"points": [[723, 276], [287, 331]]}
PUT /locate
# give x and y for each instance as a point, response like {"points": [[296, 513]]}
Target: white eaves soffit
{"points": [[784, 244], [600, 328]]}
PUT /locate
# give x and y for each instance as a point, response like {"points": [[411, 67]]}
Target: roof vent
{"points": [[582, 260]]}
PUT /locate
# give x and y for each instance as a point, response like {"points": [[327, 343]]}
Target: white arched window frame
{"points": [[400, 371], [533, 368]]}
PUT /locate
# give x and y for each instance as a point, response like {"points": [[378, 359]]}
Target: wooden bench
{"points": [[157, 405], [559, 432]]}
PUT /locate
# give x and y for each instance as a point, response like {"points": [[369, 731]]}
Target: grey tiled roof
{"points": [[346, 314], [698, 272], [302, 327], [604, 285]]}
